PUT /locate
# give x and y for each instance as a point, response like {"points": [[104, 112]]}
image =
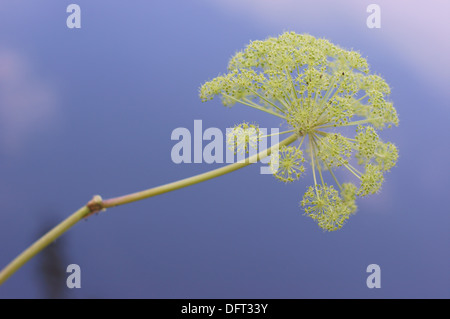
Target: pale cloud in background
{"points": [[418, 31], [27, 102]]}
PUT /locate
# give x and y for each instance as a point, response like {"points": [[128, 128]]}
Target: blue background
{"points": [[91, 111]]}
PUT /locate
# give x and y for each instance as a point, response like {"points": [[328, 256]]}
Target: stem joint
{"points": [[95, 205]]}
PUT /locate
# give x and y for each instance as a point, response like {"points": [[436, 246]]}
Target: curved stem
{"points": [[352, 123], [267, 101], [254, 105], [334, 176], [317, 158], [279, 133], [312, 163], [43, 242], [353, 170], [98, 204], [194, 179]]}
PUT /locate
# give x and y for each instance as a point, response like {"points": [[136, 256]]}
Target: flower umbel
{"points": [[324, 205], [243, 137], [287, 163], [316, 87]]}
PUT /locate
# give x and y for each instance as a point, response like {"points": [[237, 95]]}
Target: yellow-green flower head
{"points": [[366, 144], [371, 180], [243, 137], [324, 205], [334, 149], [386, 156], [287, 163], [316, 87]]}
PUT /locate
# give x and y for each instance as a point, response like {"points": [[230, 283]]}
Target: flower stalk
{"points": [[97, 204]]}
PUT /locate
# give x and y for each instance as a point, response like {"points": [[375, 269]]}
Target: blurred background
{"points": [[90, 111]]}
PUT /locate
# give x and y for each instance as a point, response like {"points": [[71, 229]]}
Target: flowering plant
{"points": [[317, 88]]}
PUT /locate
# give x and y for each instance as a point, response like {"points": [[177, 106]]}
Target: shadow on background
{"points": [[52, 263]]}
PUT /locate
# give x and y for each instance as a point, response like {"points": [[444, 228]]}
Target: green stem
{"points": [[267, 101], [352, 123], [194, 179], [43, 242], [360, 99], [301, 142], [97, 204], [327, 93], [350, 139], [353, 170], [317, 159], [328, 167], [312, 164], [286, 96], [321, 133], [285, 104], [279, 133], [292, 83], [349, 167], [334, 176], [255, 106]]}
